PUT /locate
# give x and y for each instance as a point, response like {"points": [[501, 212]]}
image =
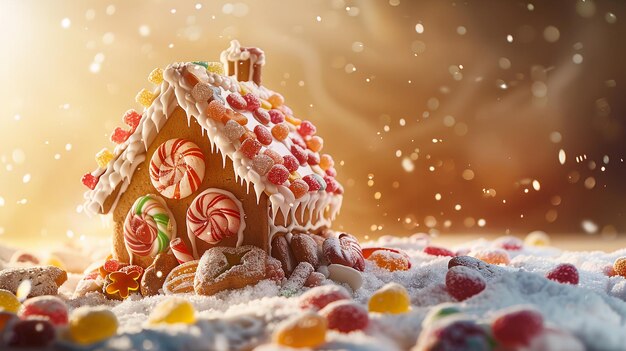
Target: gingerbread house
{"points": [[214, 159]]}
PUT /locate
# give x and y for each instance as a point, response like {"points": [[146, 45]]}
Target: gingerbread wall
{"points": [[216, 176]]}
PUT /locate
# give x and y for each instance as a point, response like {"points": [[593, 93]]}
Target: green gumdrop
{"points": [[204, 64]]}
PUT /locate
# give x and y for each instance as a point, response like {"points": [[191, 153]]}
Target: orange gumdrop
{"points": [[493, 256], [389, 260], [315, 143], [326, 161], [280, 131], [620, 266], [276, 100], [216, 110]]}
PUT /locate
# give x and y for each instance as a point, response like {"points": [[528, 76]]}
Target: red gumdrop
{"points": [[306, 128], [120, 135], [252, 102], [463, 282], [90, 181], [331, 172], [278, 174], [32, 333], [132, 118], [274, 155], [276, 116], [564, 273], [331, 184], [291, 163], [112, 265], [49, 307], [509, 243], [312, 158], [299, 153], [132, 268], [312, 182], [250, 147], [345, 316], [299, 142], [438, 251], [262, 116], [263, 135], [318, 297], [517, 328], [236, 101]]}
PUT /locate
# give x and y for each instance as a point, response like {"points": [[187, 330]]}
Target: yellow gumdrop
{"points": [[171, 311], [9, 302], [306, 330], [103, 157], [391, 298], [145, 97], [89, 325], [215, 67], [156, 76], [266, 104], [55, 261], [537, 238]]}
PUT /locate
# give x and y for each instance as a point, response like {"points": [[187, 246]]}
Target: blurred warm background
{"points": [[448, 117]]}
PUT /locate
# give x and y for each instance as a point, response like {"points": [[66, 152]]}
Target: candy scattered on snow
{"points": [[564, 273], [345, 316], [392, 298], [347, 275], [90, 325], [171, 311], [305, 330], [463, 282], [516, 327], [49, 307], [8, 301]]}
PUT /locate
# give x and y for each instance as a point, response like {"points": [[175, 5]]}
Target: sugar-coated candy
{"points": [[345, 316], [299, 142], [516, 327], [235, 116], [262, 164], [156, 76], [305, 330], [331, 172], [391, 298], [132, 118], [280, 131], [90, 325], [463, 282], [537, 238], [509, 243], [344, 250], [318, 297], [233, 130], [121, 284], [103, 157], [236, 101], [312, 158], [306, 128], [49, 307], [132, 268], [438, 251], [315, 279], [331, 184], [276, 116], [619, 266], [345, 275], [291, 163], [293, 176], [261, 115], [487, 270], [250, 147], [120, 135], [215, 67], [293, 120], [274, 155], [492, 256], [252, 102], [326, 161], [109, 266], [202, 92], [439, 312], [286, 110], [564, 273], [315, 143], [313, 181], [299, 188], [32, 333], [389, 260], [172, 311], [90, 181], [265, 104], [263, 135], [278, 174], [145, 97], [299, 153], [276, 100], [9, 302], [216, 110], [455, 334]]}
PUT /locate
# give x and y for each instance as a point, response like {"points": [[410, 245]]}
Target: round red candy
{"points": [[90, 181], [299, 142], [262, 116], [299, 188], [263, 135], [237, 102], [331, 172], [299, 153], [252, 102], [306, 128], [278, 174], [517, 328], [132, 118], [313, 158], [48, 307], [564, 273], [438, 251], [463, 282], [120, 135], [32, 333], [345, 316], [276, 116], [291, 163], [250, 147], [317, 298], [313, 182]]}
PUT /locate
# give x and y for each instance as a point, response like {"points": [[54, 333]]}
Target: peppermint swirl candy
{"points": [[148, 227], [177, 168]]}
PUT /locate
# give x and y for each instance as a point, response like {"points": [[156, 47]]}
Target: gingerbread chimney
{"points": [[243, 63]]}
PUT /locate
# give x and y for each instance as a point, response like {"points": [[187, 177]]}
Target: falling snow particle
{"points": [[536, 185], [460, 30], [318, 18], [589, 226], [144, 30], [66, 23], [551, 34], [577, 59], [408, 165], [18, 156], [68, 147], [419, 28], [562, 156], [26, 178], [481, 222], [509, 38]]}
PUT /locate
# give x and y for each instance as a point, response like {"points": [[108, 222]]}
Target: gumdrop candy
{"points": [[537, 238], [299, 142], [215, 67], [315, 143], [293, 120], [312, 158], [299, 188], [280, 131], [389, 260], [202, 92], [48, 307], [252, 102], [263, 135], [276, 100], [326, 161], [299, 153], [305, 330], [509, 243], [265, 104], [262, 164], [216, 110], [274, 155], [9, 302], [345, 316], [172, 311], [109, 266], [103, 157], [492, 256], [235, 116], [236, 101], [331, 184], [145, 97], [619, 266], [516, 327], [156, 76], [306, 128], [438, 251], [564, 273], [32, 333], [278, 174], [262, 116], [250, 147], [314, 182], [291, 163], [90, 325], [276, 116], [331, 172], [120, 135], [391, 298], [233, 130], [90, 181], [121, 284], [456, 334], [463, 282]]}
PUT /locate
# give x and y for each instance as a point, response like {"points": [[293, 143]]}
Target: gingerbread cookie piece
{"points": [[344, 250], [45, 280], [304, 249], [282, 252], [181, 278], [154, 276]]}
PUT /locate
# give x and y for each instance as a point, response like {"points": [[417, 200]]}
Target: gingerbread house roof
{"points": [[185, 84]]}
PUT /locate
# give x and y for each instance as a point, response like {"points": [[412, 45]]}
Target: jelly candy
{"points": [[326, 161], [236, 101], [299, 153], [276, 100], [89, 325], [286, 110], [463, 282], [564, 273], [172, 311], [317, 298], [274, 155], [391, 298], [509, 243], [145, 97], [263, 135], [262, 164], [120, 135], [389, 260], [331, 184], [493, 256], [313, 181], [33, 333], [306, 330], [619, 266], [312, 158], [517, 327], [109, 266], [276, 116], [250, 147], [457, 334], [265, 104], [315, 143], [8, 301], [293, 120], [291, 163], [90, 181], [252, 102], [49, 307], [235, 116], [299, 142], [331, 172], [216, 110], [215, 67], [438, 251], [156, 76], [202, 92], [233, 130], [537, 238], [307, 128], [293, 176], [278, 174], [280, 131], [345, 316], [262, 116], [299, 188], [103, 157], [121, 284]]}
